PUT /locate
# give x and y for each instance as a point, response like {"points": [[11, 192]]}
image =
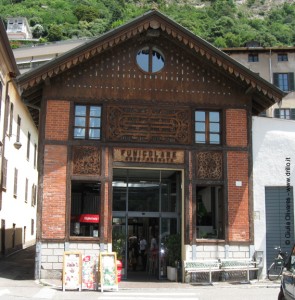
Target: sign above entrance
{"points": [[149, 156]]}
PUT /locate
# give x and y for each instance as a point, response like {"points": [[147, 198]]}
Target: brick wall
{"points": [[57, 120], [54, 192], [236, 127], [238, 198]]}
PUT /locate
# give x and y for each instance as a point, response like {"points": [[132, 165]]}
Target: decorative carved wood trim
{"points": [[209, 165], [155, 22], [86, 160], [149, 125]]}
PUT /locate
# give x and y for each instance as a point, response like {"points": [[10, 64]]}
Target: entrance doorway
{"points": [[146, 205]]}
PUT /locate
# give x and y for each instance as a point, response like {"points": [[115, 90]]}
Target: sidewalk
{"points": [[20, 266], [138, 285]]}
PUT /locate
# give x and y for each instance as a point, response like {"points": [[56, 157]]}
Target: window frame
{"points": [[78, 211], [4, 174], [149, 67], [15, 183], [87, 126], [287, 80], [253, 57], [206, 130], [283, 57], [28, 146]]}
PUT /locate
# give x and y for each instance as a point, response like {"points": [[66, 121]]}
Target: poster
{"points": [[71, 270], [108, 271], [89, 272]]}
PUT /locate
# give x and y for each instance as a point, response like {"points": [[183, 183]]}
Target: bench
{"points": [[239, 264], [220, 265], [201, 266]]}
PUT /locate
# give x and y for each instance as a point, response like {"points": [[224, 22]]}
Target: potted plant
{"points": [[173, 254], [118, 246]]}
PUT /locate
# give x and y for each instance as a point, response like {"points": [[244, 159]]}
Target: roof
{"points": [[7, 51], [264, 94]]}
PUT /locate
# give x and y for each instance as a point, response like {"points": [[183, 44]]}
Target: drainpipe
{"points": [[270, 68], [2, 143]]}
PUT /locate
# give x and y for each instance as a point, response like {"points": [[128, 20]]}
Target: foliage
{"points": [[223, 23], [173, 248], [119, 242]]}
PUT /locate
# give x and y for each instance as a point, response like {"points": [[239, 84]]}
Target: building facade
{"points": [[276, 65], [18, 29], [145, 131], [18, 159], [273, 182]]}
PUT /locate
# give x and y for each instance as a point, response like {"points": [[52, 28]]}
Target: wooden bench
{"points": [[202, 266], [239, 264]]}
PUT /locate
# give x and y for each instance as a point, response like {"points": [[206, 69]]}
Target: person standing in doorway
{"points": [[143, 252]]}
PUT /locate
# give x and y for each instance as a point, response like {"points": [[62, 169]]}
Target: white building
{"points": [[273, 181], [18, 29], [18, 160]]}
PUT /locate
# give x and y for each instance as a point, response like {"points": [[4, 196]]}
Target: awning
{"points": [[88, 218]]}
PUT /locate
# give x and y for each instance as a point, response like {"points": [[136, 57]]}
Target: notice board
{"points": [[72, 264], [89, 272], [108, 271]]}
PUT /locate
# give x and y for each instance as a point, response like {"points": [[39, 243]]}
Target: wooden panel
{"points": [[114, 75], [149, 125], [86, 160]]}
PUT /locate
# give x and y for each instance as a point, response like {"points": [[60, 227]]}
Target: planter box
{"points": [[171, 273]]}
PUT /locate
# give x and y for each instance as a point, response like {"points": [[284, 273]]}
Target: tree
{"points": [[86, 13], [37, 31], [55, 33]]}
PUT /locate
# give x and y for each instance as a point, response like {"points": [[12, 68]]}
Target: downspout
{"points": [[11, 75], [270, 68]]}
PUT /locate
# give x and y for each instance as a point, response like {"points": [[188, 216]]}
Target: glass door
{"points": [[145, 207]]}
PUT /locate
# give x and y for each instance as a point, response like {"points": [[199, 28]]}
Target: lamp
{"points": [[17, 145]]}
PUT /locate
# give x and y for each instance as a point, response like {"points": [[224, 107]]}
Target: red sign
{"points": [[88, 218]]}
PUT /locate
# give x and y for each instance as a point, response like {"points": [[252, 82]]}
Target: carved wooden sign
{"points": [[148, 155]]}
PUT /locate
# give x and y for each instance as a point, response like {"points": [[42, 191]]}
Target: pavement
{"points": [[20, 266]]}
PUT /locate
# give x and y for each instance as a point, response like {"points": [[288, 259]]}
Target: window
{"points": [[35, 156], [284, 113], [207, 127], [85, 204], [150, 59], [87, 124], [26, 190], [253, 57], [34, 195], [18, 128], [284, 81], [15, 182], [32, 226], [210, 212], [1, 87], [28, 146], [10, 119], [4, 174], [282, 57]]}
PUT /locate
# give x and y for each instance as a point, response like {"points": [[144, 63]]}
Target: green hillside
{"points": [[224, 23]]}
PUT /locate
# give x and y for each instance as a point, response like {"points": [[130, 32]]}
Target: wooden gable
{"points": [[115, 75], [195, 72]]}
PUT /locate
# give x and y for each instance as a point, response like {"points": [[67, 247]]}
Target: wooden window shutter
{"points": [[276, 79], [291, 81], [277, 113]]}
